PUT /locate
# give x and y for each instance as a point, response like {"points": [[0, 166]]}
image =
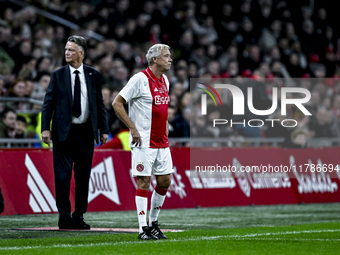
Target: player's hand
{"points": [[103, 138], [136, 139], [46, 137]]}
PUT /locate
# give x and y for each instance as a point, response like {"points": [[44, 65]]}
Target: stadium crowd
{"points": [[269, 42]]}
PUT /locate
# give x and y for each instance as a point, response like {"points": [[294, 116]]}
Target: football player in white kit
{"points": [[147, 93]]}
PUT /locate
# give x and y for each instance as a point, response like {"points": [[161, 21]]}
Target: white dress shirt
{"points": [[84, 101]]}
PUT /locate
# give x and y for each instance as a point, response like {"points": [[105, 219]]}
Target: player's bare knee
{"points": [[143, 182], [164, 182]]}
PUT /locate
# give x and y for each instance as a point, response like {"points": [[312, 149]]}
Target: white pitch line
{"points": [[188, 240], [288, 233], [294, 239]]}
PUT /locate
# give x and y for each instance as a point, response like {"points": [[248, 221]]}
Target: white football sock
{"points": [[157, 200], [141, 205]]}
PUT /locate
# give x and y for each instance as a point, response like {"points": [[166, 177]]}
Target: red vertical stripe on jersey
{"points": [[159, 116]]}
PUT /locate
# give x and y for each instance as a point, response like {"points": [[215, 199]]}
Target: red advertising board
{"points": [[201, 178]]}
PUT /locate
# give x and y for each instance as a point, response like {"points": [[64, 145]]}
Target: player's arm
{"points": [[48, 109], [167, 128], [118, 106]]}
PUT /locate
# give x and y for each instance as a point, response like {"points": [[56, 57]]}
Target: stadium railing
{"points": [[250, 142], [240, 142]]}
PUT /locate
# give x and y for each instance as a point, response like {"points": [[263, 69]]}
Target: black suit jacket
{"points": [[58, 103]]}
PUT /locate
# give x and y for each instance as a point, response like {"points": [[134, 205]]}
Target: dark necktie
{"points": [[76, 100]]}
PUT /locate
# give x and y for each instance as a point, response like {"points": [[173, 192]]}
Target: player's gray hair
{"points": [[155, 51]]}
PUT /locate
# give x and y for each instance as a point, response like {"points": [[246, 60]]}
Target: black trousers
{"points": [[76, 151]]}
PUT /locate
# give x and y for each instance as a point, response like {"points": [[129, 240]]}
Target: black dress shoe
{"points": [[81, 224], [68, 223]]}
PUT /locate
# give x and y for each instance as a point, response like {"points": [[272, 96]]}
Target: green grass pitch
{"points": [[278, 229]]}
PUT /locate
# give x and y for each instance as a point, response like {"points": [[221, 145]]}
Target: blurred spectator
{"points": [[177, 89], [233, 69], [321, 123], [130, 30], [335, 105], [108, 99], [330, 62], [182, 76], [247, 35], [2, 85], [22, 55], [126, 54], [230, 55], [192, 71], [199, 57], [253, 59], [106, 68], [185, 44], [28, 70], [141, 33], [44, 64], [18, 90], [213, 69], [293, 67], [298, 139], [171, 118], [205, 33], [7, 123], [308, 38], [40, 86], [20, 127], [120, 78], [29, 88]]}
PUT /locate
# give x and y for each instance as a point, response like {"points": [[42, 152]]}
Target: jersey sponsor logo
{"points": [[140, 167], [162, 100]]}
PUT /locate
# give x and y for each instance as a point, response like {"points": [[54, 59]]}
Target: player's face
{"points": [[73, 55], [164, 61]]}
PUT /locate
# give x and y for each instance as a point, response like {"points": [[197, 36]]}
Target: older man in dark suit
{"points": [[74, 103]]}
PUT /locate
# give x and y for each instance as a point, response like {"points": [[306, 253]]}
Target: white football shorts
{"points": [[151, 161]]}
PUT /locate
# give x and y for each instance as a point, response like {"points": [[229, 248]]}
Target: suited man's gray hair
{"points": [[79, 40], [155, 51]]}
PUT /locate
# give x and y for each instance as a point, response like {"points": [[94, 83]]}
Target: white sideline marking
{"points": [[295, 239], [189, 239], [288, 233]]}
